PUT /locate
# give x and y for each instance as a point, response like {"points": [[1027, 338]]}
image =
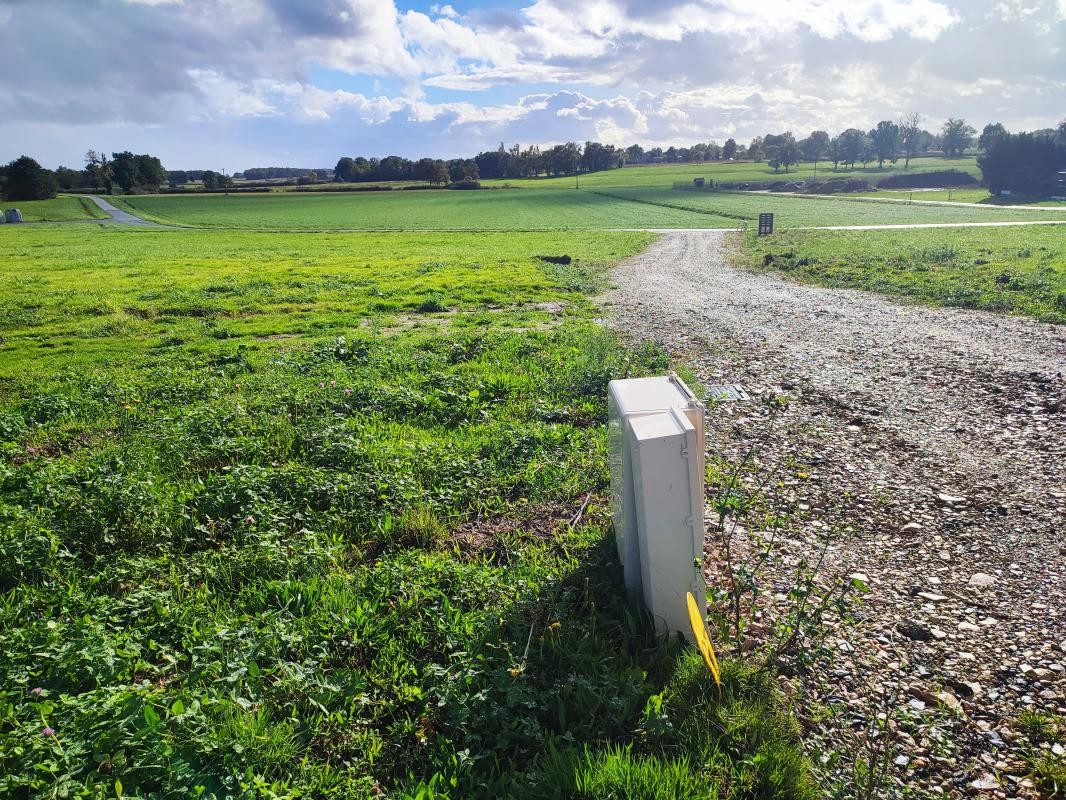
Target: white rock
{"points": [[981, 580]]}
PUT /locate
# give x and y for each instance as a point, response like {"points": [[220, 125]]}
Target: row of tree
{"points": [[398, 168], [888, 141]]}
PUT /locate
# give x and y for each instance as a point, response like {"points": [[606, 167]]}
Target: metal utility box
{"points": [[656, 430]]}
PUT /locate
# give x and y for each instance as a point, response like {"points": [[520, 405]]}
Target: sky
{"points": [[232, 84]]}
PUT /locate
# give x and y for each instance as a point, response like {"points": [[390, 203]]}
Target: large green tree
{"points": [[886, 142], [910, 134], [956, 136], [992, 132], [28, 180]]}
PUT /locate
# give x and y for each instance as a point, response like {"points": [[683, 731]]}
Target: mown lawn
{"points": [[300, 516], [1008, 270], [58, 209]]}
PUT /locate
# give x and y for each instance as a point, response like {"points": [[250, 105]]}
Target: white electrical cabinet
{"points": [[657, 464]]}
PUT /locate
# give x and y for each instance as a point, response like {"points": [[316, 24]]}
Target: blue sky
{"points": [[230, 84]]}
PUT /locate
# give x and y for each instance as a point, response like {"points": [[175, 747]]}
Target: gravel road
{"points": [[948, 430]]}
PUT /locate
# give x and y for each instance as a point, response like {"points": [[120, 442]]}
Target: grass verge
{"points": [[1006, 270]]}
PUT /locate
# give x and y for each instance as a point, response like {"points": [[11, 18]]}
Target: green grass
{"points": [[664, 175], [1008, 270], [533, 209], [546, 209], [58, 209], [960, 196], [273, 525], [795, 211]]}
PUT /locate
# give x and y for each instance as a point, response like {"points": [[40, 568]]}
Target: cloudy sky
{"points": [[230, 84]]}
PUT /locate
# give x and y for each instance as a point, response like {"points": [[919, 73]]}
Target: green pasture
{"points": [[797, 211], [664, 175], [324, 515], [503, 209], [546, 209], [1007, 270], [59, 209]]}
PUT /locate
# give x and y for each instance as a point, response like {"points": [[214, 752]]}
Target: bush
{"points": [[945, 178]]}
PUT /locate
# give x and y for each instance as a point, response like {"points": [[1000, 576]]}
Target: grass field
{"points": [[533, 209], [795, 211], [960, 196], [664, 175], [298, 515], [1008, 270], [58, 209], [543, 209]]}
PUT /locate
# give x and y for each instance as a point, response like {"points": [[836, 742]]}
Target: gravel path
{"points": [[948, 430]]}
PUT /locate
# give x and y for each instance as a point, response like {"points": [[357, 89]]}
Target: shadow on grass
{"points": [[597, 706]]}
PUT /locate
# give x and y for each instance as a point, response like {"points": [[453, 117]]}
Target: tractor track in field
{"points": [[934, 441]]}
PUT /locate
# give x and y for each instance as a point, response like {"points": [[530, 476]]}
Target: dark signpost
{"points": [[766, 224]]}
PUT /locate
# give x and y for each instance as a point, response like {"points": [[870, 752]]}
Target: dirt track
{"points": [[948, 429]]}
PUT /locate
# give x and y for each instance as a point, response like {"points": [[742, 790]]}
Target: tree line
{"points": [[1024, 162]]}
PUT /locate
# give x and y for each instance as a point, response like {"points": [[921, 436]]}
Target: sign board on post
{"points": [[766, 224]]}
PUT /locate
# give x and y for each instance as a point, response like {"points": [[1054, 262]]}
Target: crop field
{"points": [[505, 209], [322, 515], [546, 209], [1008, 270], [664, 175], [59, 209]]}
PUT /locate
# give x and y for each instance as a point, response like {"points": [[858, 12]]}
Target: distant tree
{"points": [[956, 136], [992, 132], [1023, 162], [910, 131], [729, 149], [1060, 134], [28, 180], [853, 145], [143, 172], [69, 179], [634, 154], [100, 170], [755, 150], [815, 146], [788, 151], [868, 153], [714, 151], [345, 170], [886, 142], [836, 151], [150, 172], [177, 177], [124, 170], [215, 180]]}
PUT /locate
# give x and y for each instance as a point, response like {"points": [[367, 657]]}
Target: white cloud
{"points": [[658, 71]]}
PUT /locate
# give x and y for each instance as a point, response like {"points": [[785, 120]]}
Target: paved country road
{"points": [[123, 217], [947, 430]]}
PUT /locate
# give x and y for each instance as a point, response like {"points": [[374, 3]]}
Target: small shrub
{"points": [[419, 527]]}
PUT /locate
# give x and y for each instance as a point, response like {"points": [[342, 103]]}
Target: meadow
{"points": [[64, 208], [308, 515], [546, 209], [504, 209], [741, 171], [1006, 270]]}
